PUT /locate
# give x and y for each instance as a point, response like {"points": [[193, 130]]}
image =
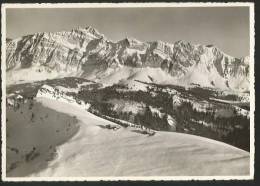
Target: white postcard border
{"points": [[129, 5]]}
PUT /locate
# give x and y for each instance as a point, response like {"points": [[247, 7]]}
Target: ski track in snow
{"points": [[95, 151]]}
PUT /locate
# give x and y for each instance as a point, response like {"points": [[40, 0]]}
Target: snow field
{"points": [[95, 151]]}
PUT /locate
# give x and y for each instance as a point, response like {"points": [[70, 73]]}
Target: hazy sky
{"points": [[227, 28]]}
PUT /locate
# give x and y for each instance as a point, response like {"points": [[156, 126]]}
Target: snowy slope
{"points": [[95, 151], [128, 76], [32, 136]]}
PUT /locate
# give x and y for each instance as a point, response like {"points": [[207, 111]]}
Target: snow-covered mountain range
{"points": [[84, 52]]}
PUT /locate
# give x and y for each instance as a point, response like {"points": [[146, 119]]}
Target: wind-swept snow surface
{"points": [[98, 151]]}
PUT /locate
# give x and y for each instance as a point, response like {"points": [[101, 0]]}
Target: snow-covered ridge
{"points": [[49, 92], [87, 53]]}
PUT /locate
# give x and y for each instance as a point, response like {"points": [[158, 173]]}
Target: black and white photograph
{"points": [[127, 91]]}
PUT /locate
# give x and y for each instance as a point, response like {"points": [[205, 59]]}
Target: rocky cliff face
{"points": [[84, 51]]}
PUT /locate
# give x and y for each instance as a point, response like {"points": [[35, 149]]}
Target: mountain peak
{"points": [[130, 41], [89, 30], [182, 42], [133, 41]]}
